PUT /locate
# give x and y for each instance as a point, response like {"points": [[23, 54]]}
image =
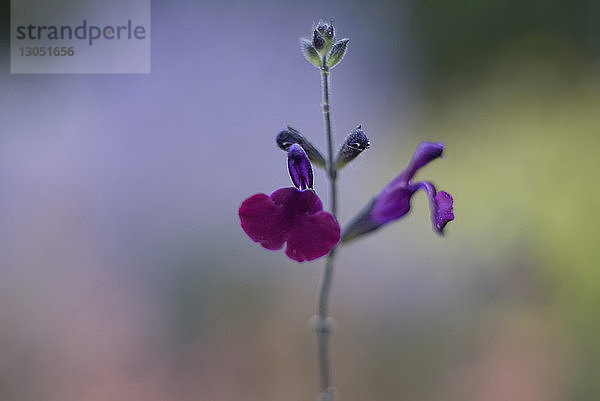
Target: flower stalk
{"points": [[294, 216], [323, 327]]}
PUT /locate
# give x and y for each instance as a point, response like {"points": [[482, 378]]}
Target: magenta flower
{"points": [[393, 202], [292, 215]]}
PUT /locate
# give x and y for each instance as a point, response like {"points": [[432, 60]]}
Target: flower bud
{"points": [[353, 146], [318, 40], [299, 167], [323, 36], [322, 27], [329, 32], [288, 137]]}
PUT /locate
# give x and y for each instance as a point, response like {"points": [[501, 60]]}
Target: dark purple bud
{"points": [[318, 40], [299, 167], [322, 27], [356, 142], [329, 32], [288, 137]]}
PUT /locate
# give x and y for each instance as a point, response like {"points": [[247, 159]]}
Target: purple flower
{"points": [[292, 215], [393, 202]]}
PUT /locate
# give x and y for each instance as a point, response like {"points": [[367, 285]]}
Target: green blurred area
{"points": [[515, 95], [523, 165], [459, 38]]}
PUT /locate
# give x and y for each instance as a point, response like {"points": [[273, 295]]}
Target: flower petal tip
{"points": [[428, 151], [444, 211]]}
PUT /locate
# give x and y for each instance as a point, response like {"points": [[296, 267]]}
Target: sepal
{"points": [[337, 52], [310, 53], [361, 224]]}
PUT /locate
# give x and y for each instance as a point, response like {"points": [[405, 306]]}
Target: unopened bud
{"points": [[356, 142], [318, 40], [323, 36], [322, 27], [290, 136], [330, 32]]}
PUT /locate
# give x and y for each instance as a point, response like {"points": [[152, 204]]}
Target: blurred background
{"points": [[124, 273]]}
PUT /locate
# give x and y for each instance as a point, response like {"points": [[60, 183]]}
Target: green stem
{"points": [[323, 328]]}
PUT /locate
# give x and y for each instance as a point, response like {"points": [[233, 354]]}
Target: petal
{"points": [[265, 221], [297, 202], [312, 236], [392, 204], [444, 211], [299, 167], [293, 216], [308, 202], [441, 204], [424, 153]]}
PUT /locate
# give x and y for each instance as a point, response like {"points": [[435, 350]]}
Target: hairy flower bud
{"points": [[322, 27], [330, 32], [356, 142], [289, 136], [318, 40], [323, 36]]}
